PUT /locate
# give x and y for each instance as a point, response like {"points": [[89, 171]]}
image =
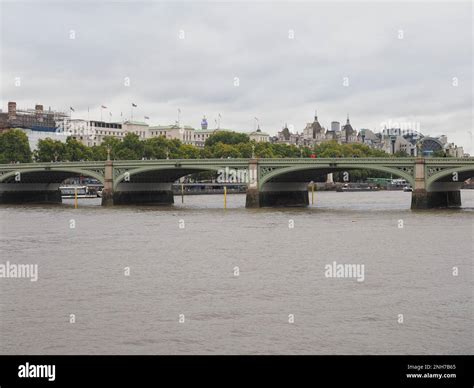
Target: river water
{"points": [[182, 264]]}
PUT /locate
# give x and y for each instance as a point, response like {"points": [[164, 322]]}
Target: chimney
{"points": [[11, 109]]}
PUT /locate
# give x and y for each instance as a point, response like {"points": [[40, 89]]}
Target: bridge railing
{"points": [[388, 160]]}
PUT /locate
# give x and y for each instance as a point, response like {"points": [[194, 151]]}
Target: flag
{"points": [[72, 109], [179, 110], [134, 105], [103, 107], [220, 115], [121, 114], [147, 118], [110, 113]]}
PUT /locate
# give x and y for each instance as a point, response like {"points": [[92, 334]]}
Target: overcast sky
{"points": [[281, 80]]}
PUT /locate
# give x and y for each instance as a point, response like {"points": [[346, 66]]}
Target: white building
{"points": [[137, 127], [259, 136], [184, 133], [453, 150], [35, 136], [90, 133]]}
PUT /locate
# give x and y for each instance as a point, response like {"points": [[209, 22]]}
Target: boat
{"points": [[80, 191], [408, 189], [356, 188]]}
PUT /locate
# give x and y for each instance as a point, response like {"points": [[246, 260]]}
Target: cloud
{"points": [[281, 80]]}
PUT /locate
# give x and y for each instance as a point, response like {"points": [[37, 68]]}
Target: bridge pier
{"points": [[252, 199], [422, 199], [278, 194], [108, 190], [128, 193], [29, 193], [436, 194]]}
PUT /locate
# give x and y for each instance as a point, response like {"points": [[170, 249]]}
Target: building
{"points": [[184, 133], [368, 137], [314, 133], [429, 145], [348, 134], [201, 135], [452, 150], [286, 137], [90, 132], [33, 119], [137, 127], [35, 136], [259, 136]]}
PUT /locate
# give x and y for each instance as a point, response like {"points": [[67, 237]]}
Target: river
{"points": [[195, 278]]}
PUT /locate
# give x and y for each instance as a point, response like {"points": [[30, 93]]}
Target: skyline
{"points": [[280, 79]]}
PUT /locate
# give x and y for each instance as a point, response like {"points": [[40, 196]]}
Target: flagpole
{"points": [[101, 109]]}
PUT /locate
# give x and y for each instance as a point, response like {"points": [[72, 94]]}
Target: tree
{"points": [[174, 146], [440, 154], [76, 151], [401, 154], [245, 149], [50, 150], [131, 147], [14, 147], [227, 137], [188, 151], [263, 150], [221, 150], [155, 148]]}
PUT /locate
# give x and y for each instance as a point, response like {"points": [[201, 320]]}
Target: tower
{"points": [[204, 123]]}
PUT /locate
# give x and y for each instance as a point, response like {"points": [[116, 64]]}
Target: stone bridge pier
{"points": [[427, 195], [274, 194], [30, 193], [134, 193]]}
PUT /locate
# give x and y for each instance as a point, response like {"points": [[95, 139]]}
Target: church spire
{"points": [[315, 115], [348, 119]]}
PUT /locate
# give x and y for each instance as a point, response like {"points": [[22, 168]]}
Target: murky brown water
{"points": [[190, 271]]}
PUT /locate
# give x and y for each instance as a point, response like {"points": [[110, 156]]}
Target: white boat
{"points": [[407, 189], [70, 192]]}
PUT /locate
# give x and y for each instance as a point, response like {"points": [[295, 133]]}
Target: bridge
{"points": [[270, 182]]}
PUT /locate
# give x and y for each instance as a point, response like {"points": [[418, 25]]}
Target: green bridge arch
{"points": [[340, 167], [140, 170], [73, 171], [446, 172]]}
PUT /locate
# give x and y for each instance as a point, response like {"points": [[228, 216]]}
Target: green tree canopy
{"points": [[49, 150], [131, 148], [14, 147], [76, 151], [227, 137]]}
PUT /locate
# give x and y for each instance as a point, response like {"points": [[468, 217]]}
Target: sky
{"points": [[279, 62]]}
